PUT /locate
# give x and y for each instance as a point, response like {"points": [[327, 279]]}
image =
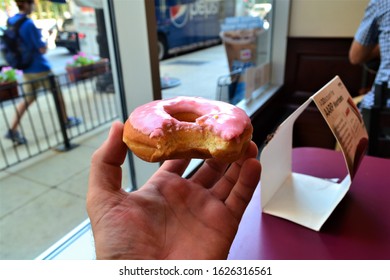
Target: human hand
{"points": [[170, 217]]}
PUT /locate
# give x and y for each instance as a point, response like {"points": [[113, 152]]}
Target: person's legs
{"points": [[13, 134], [21, 108], [32, 83], [28, 98]]}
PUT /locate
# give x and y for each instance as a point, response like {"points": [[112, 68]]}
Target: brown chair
{"points": [[377, 121]]}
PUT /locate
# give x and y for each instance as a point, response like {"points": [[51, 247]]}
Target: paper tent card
{"points": [[304, 199]]}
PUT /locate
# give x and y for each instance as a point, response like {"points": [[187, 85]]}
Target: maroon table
{"points": [[359, 228]]}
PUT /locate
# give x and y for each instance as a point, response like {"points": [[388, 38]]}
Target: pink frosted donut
{"points": [[187, 127]]}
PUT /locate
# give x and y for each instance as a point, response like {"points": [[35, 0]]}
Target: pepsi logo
{"points": [[178, 15]]}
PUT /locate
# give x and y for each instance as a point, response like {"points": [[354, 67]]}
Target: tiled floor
{"points": [[43, 198]]}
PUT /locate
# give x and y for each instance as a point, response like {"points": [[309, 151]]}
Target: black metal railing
{"points": [[44, 124]]}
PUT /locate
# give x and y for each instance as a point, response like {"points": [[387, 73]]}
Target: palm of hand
{"points": [[170, 219]]}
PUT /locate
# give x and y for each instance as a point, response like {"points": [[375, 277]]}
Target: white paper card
{"points": [[303, 199]]}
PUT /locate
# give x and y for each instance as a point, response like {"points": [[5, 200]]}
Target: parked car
{"points": [[68, 37]]}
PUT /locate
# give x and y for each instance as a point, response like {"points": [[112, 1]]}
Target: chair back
{"points": [[382, 95], [377, 121]]}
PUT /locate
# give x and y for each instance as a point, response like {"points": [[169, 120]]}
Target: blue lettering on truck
{"points": [[188, 24]]}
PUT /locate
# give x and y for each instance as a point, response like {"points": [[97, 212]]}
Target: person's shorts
{"points": [[32, 82]]}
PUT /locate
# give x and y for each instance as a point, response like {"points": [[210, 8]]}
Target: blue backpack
{"points": [[10, 46]]}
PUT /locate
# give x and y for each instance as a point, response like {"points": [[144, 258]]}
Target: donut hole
{"points": [[185, 117], [182, 116]]}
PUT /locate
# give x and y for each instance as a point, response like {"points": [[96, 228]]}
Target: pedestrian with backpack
{"points": [[35, 66]]}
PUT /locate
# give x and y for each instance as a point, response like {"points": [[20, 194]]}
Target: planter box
{"points": [[8, 91], [88, 71]]}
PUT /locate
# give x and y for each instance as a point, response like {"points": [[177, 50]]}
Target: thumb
{"points": [[106, 171]]}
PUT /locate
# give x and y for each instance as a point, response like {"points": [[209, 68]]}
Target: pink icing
{"points": [[223, 119]]}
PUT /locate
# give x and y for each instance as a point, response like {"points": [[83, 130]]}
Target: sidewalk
{"points": [[43, 198]]}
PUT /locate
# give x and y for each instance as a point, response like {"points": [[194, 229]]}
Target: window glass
{"points": [[43, 180], [225, 45]]}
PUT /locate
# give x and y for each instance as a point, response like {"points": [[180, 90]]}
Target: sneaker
{"points": [[73, 121], [16, 137]]}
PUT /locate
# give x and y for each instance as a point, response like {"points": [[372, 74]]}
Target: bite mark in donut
{"points": [[187, 127]]}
